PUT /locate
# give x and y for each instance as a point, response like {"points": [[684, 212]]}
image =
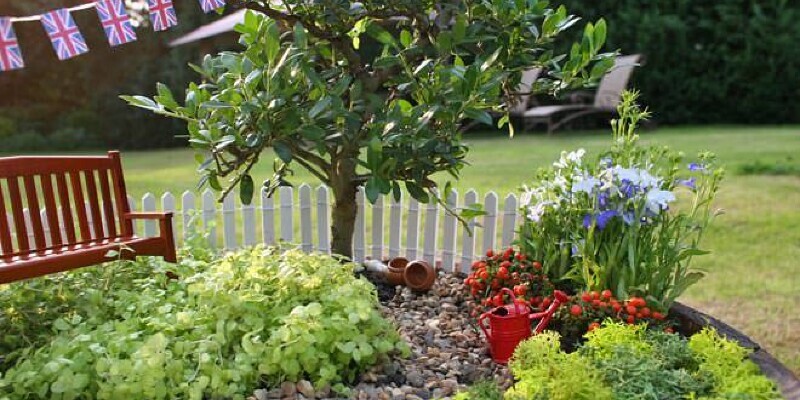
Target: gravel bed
{"points": [[448, 351]]}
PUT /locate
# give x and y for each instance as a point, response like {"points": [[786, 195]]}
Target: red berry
{"points": [[593, 326], [489, 253], [606, 294], [520, 257], [537, 265], [502, 273], [476, 264], [669, 329], [657, 315], [616, 307], [637, 302], [505, 264], [630, 319], [586, 297], [596, 303], [484, 275], [645, 312], [595, 295], [498, 300], [546, 302], [630, 310], [576, 310]]}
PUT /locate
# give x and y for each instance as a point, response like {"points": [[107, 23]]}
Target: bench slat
{"points": [[80, 205], [35, 212], [94, 206], [19, 217], [120, 195], [39, 165], [108, 209], [5, 230], [66, 209], [51, 209]]}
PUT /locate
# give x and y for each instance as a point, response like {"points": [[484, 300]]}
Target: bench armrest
{"points": [[148, 215]]}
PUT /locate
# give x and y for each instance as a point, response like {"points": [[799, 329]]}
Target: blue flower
{"points": [[602, 199], [601, 219], [627, 188], [691, 183], [697, 167], [628, 217], [604, 218]]}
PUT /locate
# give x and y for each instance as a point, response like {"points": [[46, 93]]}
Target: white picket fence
{"points": [[443, 237]]}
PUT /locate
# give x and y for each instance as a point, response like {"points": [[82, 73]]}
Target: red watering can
{"points": [[511, 324]]}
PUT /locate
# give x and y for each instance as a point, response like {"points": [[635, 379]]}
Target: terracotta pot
{"points": [[419, 275], [396, 268]]}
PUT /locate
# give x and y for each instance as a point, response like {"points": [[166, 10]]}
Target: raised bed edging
{"points": [[692, 321]]}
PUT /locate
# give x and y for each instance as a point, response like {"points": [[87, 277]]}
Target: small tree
{"points": [[369, 93]]}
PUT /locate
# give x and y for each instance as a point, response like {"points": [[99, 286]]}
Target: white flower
{"points": [[658, 200], [584, 184], [573, 157], [525, 198], [535, 213], [648, 181], [638, 177]]}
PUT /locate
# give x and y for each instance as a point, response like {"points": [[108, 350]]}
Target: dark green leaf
{"points": [[246, 189], [283, 151]]}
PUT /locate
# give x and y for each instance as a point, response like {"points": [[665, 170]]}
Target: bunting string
{"points": [[67, 40]]}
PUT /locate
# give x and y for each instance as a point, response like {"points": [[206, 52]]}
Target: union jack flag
{"points": [[211, 5], [116, 22], [162, 14], [67, 39], [10, 54]]}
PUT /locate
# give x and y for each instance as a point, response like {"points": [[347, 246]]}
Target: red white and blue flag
{"points": [[115, 21], [10, 54], [67, 39], [162, 14], [211, 5]]}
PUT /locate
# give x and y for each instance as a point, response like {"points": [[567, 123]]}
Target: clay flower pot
{"points": [[394, 274], [419, 275]]}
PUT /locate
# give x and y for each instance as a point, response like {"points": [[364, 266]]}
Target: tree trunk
{"points": [[344, 207]]}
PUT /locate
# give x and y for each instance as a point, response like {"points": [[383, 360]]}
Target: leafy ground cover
{"points": [[209, 327], [753, 271]]}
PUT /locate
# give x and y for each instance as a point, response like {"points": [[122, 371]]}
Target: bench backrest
{"points": [[80, 199]]}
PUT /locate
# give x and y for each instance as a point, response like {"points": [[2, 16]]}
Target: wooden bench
{"points": [[77, 212]]}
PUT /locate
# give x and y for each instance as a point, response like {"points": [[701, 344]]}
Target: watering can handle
{"points": [[513, 298], [482, 318], [547, 315]]}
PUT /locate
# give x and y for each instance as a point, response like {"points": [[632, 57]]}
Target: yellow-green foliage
{"points": [[543, 371], [734, 375], [602, 343]]}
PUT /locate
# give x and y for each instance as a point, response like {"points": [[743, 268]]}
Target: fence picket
{"points": [[377, 229], [267, 218], [449, 232], [490, 221], [248, 224], [167, 205], [287, 216], [229, 223], [148, 205], [209, 210], [305, 219], [323, 221], [468, 235], [395, 226], [412, 232], [431, 232], [509, 220], [187, 213], [360, 233], [133, 208]]}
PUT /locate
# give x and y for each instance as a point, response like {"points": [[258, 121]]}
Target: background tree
{"points": [[369, 93]]}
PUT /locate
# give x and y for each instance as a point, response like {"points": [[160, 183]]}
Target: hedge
{"points": [[720, 61]]}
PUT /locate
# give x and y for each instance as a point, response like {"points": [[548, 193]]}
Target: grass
{"points": [[754, 271]]}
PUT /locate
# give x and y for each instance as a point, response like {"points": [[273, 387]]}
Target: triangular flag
{"points": [[67, 39]]}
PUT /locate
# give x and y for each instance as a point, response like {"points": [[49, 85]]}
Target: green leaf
{"points": [[213, 181], [479, 115], [214, 104], [372, 190], [246, 189], [381, 35], [320, 106], [141, 102], [405, 38], [165, 96], [417, 192], [283, 151]]}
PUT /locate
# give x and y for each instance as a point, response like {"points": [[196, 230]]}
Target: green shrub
{"points": [[734, 61], [221, 328], [8, 126], [620, 361], [25, 141], [483, 390], [73, 139]]}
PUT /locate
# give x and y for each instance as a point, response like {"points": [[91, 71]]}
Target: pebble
{"points": [[448, 351]]}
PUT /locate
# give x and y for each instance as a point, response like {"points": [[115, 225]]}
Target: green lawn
{"points": [[753, 277]]}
